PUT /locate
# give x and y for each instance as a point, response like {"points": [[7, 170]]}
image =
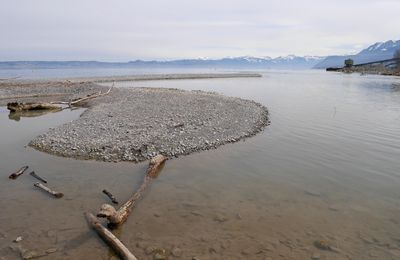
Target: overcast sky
{"points": [[123, 30]]}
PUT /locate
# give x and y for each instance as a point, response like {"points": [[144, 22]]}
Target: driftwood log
{"points": [[18, 173], [116, 217], [109, 238], [48, 190], [110, 196], [18, 107], [37, 177], [79, 100]]}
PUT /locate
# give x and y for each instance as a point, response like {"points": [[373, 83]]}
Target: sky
{"points": [[123, 30]]}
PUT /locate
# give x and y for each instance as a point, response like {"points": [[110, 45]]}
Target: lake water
{"points": [[327, 168], [93, 72]]}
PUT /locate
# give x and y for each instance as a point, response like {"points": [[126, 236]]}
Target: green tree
{"points": [[349, 63], [397, 56]]}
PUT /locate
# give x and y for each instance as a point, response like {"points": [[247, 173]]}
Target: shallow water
{"points": [[326, 168]]}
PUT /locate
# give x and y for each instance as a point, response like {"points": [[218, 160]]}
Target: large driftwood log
{"points": [[48, 190], [18, 173], [16, 107], [109, 238], [119, 216]]}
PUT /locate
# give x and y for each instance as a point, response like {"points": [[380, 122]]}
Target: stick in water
{"points": [[116, 217], [18, 173], [112, 198], [37, 177], [48, 190], [109, 238]]}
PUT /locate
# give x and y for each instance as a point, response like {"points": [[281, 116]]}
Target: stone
{"points": [[315, 256], [161, 254], [18, 239], [149, 250], [313, 193], [51, 233], [220, 218], [29, 254], [322, 244], [176, 251], [51, 250]]}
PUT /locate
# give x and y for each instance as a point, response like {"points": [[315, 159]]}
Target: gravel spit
{"points": [[134, 124]]}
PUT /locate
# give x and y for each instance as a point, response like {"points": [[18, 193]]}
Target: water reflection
{"points": [[16, 116]]}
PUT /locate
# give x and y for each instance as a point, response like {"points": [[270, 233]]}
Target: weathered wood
{"points": [[79, 100], [119, 216], [37, 177], [15, 106], [18, 173], [109, 195], [109, 238], [48, 190]]}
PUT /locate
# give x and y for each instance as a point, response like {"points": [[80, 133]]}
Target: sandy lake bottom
{"points": [[327, 168]]}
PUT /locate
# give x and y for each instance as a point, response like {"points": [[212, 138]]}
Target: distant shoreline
{"points": [[147, 77], [143, 77]]}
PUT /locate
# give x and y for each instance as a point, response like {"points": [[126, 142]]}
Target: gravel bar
{"points": [[134, 124]]}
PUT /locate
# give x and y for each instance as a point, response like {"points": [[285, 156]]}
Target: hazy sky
{"points": [[122, 30]]}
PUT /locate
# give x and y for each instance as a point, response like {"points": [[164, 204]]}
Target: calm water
{"points": [[92, 72], [326, 168]]}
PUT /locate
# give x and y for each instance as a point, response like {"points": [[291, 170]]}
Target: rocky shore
{"points": [[137, 123]]}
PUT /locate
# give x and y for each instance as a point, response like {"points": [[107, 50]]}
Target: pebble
{"points": [[51, 250], [18, 239], [322, 244], [313, 193], [149, 250], [220, 218], [176, 251], [29, 254], [51, 233], [315, 256], [160, 256]]}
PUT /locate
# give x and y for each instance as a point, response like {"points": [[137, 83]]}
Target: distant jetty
{"points": [[388, 67]]}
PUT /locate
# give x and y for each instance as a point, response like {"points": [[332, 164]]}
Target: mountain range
{"points": [[245, 62], [375, 52]]}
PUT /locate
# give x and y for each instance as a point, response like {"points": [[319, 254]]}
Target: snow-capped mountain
{"points": [[382, 47], [293, 61], [375, 52]]}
